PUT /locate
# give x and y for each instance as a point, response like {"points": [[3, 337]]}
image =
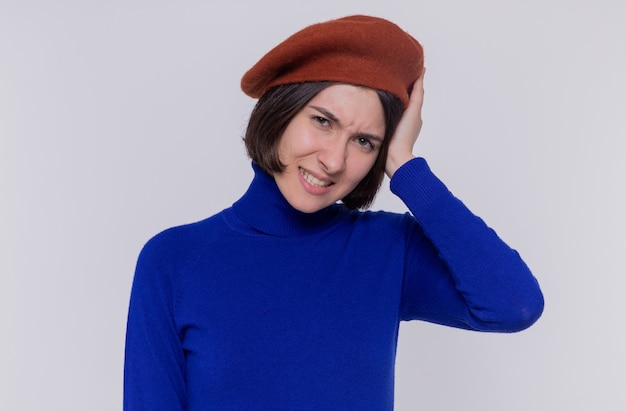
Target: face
{"points": [[330, 146]]}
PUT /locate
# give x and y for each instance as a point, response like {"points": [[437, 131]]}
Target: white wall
{"points": [[121, 118]]}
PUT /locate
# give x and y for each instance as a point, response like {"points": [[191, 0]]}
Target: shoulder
{"points": [[180, 241], [383, 221]]}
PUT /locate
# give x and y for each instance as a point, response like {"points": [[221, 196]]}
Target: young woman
{"points": [[291, 298]]}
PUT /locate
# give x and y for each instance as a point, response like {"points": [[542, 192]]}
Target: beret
{"points": [[360, 50]]}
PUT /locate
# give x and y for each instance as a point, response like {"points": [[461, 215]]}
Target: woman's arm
{"points": [[470, 278], [458, 272], [154, 361]]}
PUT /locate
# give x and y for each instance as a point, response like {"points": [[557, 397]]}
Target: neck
{"points": [[264, 208]]}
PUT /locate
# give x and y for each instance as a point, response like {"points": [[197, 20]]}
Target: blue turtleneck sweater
{"points": [[262, 307]]}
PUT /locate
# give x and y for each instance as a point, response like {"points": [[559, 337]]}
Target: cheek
{"points": [[361, 166], [287, 150], [283, 151], [296, 142]]}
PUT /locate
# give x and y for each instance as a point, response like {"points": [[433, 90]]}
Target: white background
{"points": [[121, 118]]}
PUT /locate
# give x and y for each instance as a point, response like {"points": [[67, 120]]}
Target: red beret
{"points": [[360, 50]]}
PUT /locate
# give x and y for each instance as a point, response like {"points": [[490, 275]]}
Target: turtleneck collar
{"points": [[264, 208]]}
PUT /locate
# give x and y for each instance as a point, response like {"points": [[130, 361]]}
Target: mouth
{"points": [[314, 181]]}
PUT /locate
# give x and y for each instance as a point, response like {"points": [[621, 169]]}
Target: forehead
{"points": [[354, 106]]}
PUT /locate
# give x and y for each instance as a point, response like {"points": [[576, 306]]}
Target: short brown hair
{"points": [[279, 105]]}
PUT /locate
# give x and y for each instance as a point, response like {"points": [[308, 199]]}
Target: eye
{"points": [[365, 143], [323, 122]]}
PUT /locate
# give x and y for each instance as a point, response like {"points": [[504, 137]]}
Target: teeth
{"points": [[313, 180]]}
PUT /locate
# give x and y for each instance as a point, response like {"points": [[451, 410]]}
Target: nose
{"points": [[332, 156]]}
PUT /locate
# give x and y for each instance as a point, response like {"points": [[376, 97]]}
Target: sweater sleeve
{"points": [[154, 360], [458, 272]]}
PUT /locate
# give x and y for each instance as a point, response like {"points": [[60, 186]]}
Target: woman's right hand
{"points": [[406, 134]]}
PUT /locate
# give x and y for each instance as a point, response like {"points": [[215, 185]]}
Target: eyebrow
{"points": [[334, 119]]}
